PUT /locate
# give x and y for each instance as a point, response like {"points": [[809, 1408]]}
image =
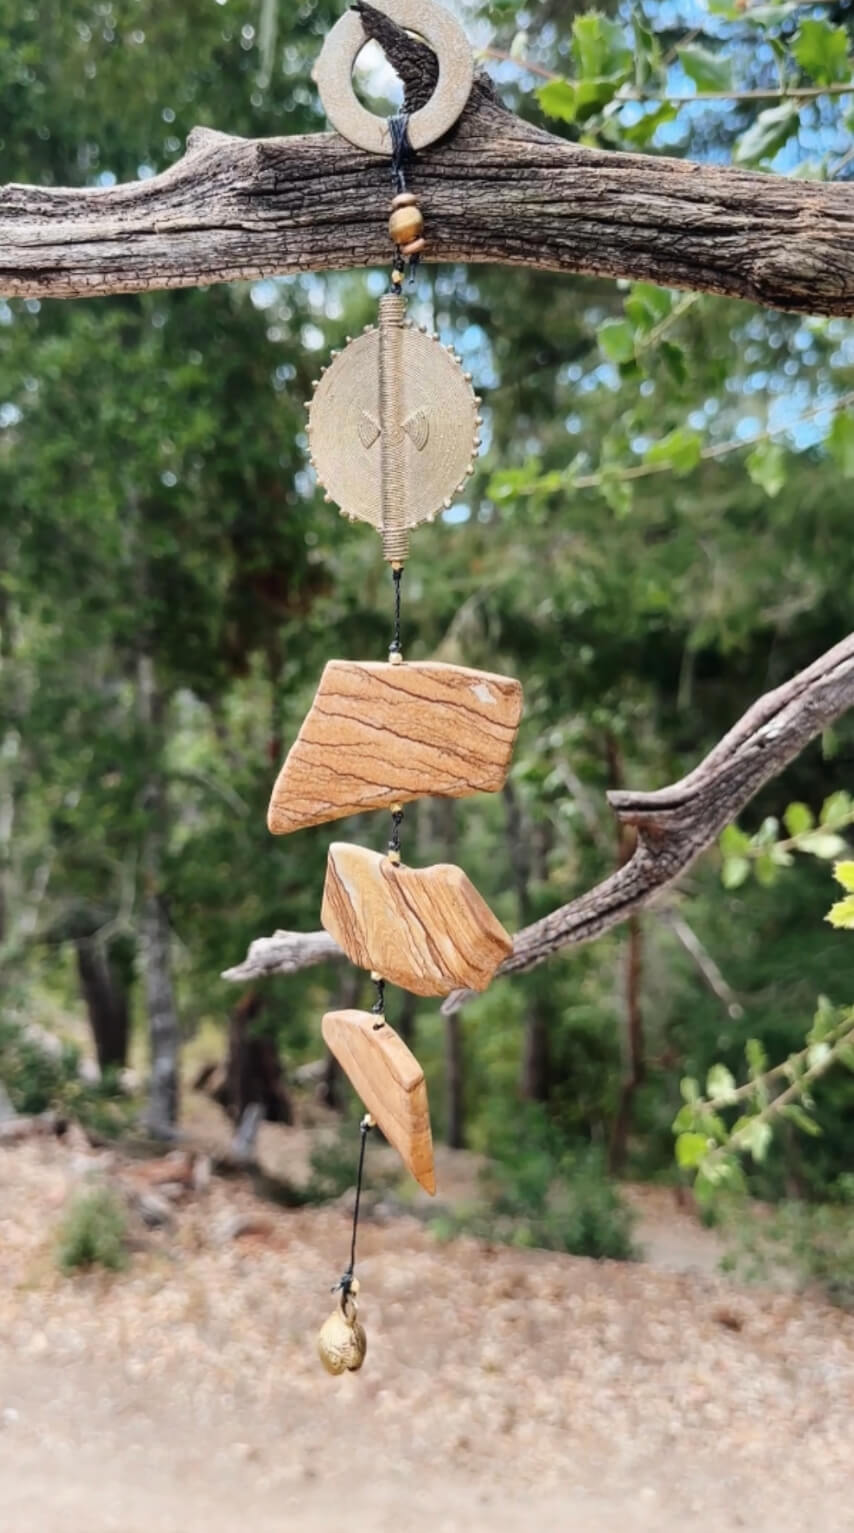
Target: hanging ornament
{"points": [[393, 430]]}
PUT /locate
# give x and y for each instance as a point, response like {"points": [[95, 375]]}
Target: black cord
{"points": [[401, 149], [401, 153], [395, 645], [345, 1283]]}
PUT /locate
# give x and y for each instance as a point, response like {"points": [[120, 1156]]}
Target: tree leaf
{"points": [[802, 1119], [843, 872], [599, 46], [720, 1084], [754, 1135], [798, 818], [734, 872], [766, 467], [822, 52], [680, 449], [837, 810], [821, 844], [709, 71], [771, 130], [733, 842], [842, 913], [691, 1149], [616, 339], [558, 99], [840, 443]]}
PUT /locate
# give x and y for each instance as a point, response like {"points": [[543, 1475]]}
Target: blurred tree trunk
{"points": [[155, 937], [535, 1071], [454, 1104], [254, 1071], [106, 1002], [634, 1058], [445, 829]]}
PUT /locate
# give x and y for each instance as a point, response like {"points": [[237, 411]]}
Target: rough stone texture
{"points": [[378, 734], [425, 929], [387, 1077]]}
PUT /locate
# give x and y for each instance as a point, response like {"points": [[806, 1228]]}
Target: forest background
{"points": [[657, 532]]}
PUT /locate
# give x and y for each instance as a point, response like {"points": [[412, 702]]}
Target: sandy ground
{"points": [[503, 1390]]}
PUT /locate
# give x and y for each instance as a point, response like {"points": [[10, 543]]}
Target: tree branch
{"points": [[674, 825], [496, 189]]}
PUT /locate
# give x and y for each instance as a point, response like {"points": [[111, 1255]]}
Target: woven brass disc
{"points": [[393, 426]]}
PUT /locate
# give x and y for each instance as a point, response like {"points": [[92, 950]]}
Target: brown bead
{"points": [[414, 247], [404, 200], [405, 225]]}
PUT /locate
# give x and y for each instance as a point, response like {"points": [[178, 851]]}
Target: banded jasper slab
{"points": [[379, 734], [425, 929], [390, 1081]]}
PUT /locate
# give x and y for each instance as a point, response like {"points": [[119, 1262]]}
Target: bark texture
{"points": [[106, 1001], [674, 825], [495, 189]]}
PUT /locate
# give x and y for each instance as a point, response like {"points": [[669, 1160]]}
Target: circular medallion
{"points": [[333, 76], [393, 425]]}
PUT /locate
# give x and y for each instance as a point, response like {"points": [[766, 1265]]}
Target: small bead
{"points": [[405, 225], [403, 200], [396, 657], [394, 857], [375, 976], [397, 277], [414, 247]]}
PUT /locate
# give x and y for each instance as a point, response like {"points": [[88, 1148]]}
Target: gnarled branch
{"points": [[673, 825], [496, 189]]}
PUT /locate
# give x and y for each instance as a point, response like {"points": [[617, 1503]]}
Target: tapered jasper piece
{"points": [[379, 734], [425, 929], [390, 1081]]}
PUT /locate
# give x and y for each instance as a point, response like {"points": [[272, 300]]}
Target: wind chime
{"points": [[393, 430]]}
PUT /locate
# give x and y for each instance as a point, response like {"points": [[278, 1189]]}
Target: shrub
{"points": [[93, 1232], [539, 1193], [37, 1080], [814, 1243]]}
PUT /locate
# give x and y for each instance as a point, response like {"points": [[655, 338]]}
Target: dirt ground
{"points": [[503, 1390]]}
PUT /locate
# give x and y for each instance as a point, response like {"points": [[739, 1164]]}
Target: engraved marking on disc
{"points": [[393, 427]]}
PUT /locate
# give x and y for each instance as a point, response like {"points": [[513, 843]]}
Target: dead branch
{"points": [[496, 189], [674, 825]]}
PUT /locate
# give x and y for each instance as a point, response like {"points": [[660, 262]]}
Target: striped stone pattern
{"points": [[425, 929], [379, 734], [387, 1077]]}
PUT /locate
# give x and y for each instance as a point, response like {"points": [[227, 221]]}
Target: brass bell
{"points": [[341, 1341]]}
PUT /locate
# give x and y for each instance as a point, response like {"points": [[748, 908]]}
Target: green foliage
{"points": [[38, 1081], [93, 1232], [842, 912], [822, 52], [813, 1245], [709, 71], [34, 1079], [768, 134], [538, 1192], [766, 851]]}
